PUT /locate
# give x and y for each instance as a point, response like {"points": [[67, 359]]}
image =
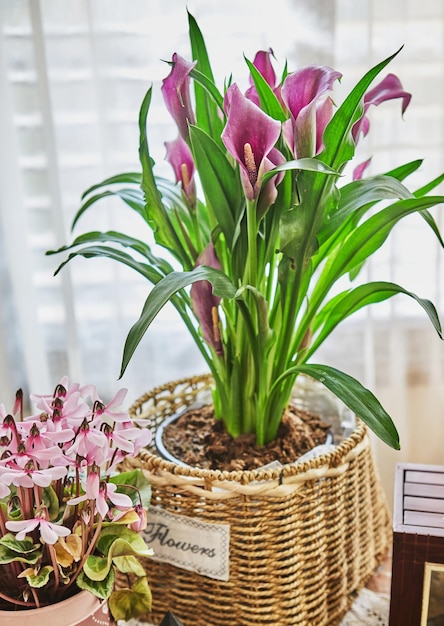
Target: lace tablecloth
{"points": [[369, 609]]}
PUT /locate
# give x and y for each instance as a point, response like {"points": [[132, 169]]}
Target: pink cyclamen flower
{"points": [[90, 444], [305, 94], [181, 160], [390, 88], [112, 410], [205, 303], [29, 477], [143, 519], [249, 136], [176, 93], [49, 532], [101, 492]]}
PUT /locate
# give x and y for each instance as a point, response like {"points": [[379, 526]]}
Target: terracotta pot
{"points": [[300, 540], [83, 609]]}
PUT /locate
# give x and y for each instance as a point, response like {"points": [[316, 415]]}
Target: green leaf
{"points": [[135, 485], [269, 103], [24, 551], [220, 182], [117, 540], [117, 255], [337, 138], [126, 604], [123, 240], [161, 294], [359, 399], [51, 501], [132, 197], [360, 193], [164, 232], [306, 164], [370, 236], [119, 179], [100, 588], [350, 301], [209, 102], [37, 580], [129, 564]]}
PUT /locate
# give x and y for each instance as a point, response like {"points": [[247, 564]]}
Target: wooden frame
{"points": [[418, 541], [433, 594]]}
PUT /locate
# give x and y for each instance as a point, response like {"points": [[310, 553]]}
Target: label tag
{"points": [[189, 543]]}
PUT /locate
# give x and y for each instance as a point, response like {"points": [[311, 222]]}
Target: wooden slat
{"points": [[428, 478], [425, 491], [427, 505], [417, 518]]}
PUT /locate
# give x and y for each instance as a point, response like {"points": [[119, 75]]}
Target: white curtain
{"points": [[72, 78]]}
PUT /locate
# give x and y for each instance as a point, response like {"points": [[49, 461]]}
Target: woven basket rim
{"points": [[332, 459]]}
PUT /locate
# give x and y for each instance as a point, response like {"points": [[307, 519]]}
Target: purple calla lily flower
{"points": [[305, 95], [388, 89], [249, 135], [262, 62], [205, 303], [176, 93], [268, 192], [360, 169], [180, 158]]}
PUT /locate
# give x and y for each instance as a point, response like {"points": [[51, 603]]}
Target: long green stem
{"points": [[251, 267]]}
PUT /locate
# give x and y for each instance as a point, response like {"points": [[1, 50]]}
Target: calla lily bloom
{"points": [[359, 170], [176, 93], [181, 160], [268, 193], [305, 94], [262, 62], [205, 303], [249, 135], [388, 89]]}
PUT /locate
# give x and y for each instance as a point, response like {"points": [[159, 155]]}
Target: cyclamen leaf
{"points": [[37, 580], [100, 588], [126, 604]]}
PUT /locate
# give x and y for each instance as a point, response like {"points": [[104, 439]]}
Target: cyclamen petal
{"points": [[22, 527], [50, 532]]}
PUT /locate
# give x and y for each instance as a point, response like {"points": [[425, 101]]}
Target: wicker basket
{"points": [[303, 539]]}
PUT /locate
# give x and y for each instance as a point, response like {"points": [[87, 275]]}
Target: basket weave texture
{"points": [[304, 539]]}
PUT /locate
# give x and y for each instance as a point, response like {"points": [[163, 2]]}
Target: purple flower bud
{"points": [[176, 93]]}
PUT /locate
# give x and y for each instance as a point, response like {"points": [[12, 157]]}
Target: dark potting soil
{"points": [[198, 439]]}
